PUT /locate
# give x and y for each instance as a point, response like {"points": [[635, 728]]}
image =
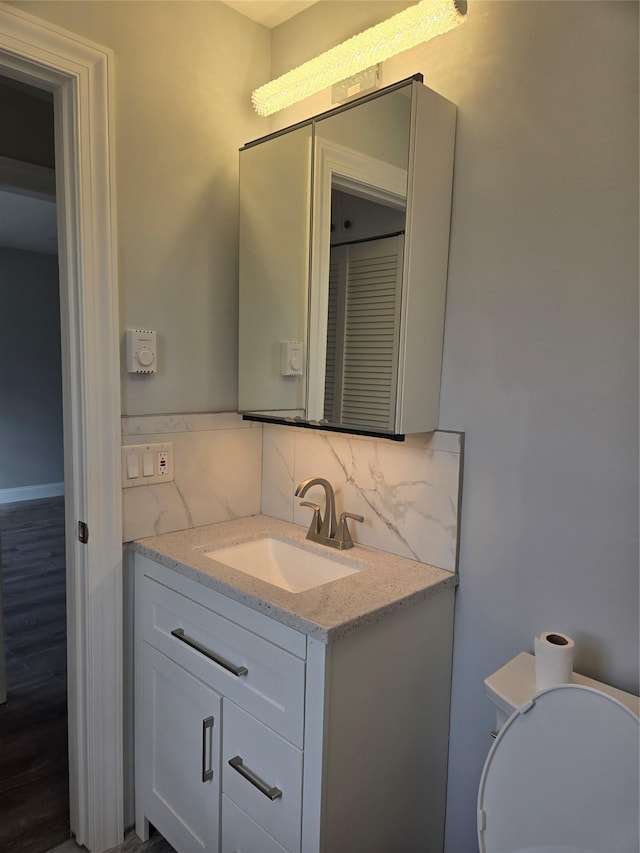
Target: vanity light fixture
{"points": [[413, 26]]}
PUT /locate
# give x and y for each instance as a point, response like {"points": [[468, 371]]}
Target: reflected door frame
{"points": [[341, 167], [79, 73]]}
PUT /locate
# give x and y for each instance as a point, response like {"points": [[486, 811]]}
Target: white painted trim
{"points": [[371, 178], [80, 74], [31, 493]]}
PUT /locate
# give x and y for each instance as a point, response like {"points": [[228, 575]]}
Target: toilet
{"points": [[563, 775]]}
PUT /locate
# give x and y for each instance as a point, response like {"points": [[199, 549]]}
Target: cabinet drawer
{"points": [[272, 763], [240, 834], [253, 672]]}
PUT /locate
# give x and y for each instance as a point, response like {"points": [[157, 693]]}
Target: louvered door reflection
{"points": [[363, 333]]}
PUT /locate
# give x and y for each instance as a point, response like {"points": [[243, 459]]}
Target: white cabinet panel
{"points": [[181, 733]]}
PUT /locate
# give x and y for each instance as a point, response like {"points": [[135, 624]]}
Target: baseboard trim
{"points": [[31, 493]]}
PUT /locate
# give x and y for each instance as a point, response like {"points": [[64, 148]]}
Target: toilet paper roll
{"points": [[554, 659]]}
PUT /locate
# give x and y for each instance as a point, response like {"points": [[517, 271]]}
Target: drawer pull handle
{"points": [[238, 764], [207, 754], [179, 634]]}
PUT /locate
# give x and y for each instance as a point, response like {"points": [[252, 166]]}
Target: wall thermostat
{"points": [[291, 358], [141, 351]]}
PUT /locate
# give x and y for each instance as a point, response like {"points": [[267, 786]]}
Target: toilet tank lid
{"points": [[515, 683]]}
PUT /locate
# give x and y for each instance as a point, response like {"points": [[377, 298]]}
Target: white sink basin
{"points": [[284, 564]]}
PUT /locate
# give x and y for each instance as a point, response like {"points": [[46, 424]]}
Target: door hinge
{"points": [[83, 532]]}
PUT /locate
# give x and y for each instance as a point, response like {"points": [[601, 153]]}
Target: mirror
{"points": [[275, 211], [327, 214], [359, 215]]}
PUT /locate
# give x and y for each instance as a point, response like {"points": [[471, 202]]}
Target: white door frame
{"points": [[80, 75]]}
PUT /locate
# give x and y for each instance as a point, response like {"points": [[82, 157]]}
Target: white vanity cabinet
{"points": [[254, 737]]}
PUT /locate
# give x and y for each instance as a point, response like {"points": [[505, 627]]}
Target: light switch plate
{"points": [[161, 457]]}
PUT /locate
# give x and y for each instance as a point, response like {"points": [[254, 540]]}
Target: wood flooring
{"points": [[34, 772], [131, 844]]}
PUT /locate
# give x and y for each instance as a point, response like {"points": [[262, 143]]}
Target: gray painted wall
{"points": [[541, 353], [31, 449]]}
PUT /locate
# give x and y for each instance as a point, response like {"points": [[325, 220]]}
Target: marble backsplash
{"points": [[217, 472], [227, 468], [407, 492]]}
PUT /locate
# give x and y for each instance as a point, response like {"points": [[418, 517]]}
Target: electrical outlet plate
{"points": [[158, 457]]}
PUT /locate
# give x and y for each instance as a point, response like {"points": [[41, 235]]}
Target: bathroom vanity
{"points": [[268, 720]]}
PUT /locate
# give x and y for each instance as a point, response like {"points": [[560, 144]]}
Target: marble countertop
{"points": [[327, 612]]}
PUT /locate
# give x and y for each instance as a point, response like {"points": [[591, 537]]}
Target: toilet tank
{"points": [[515, 683]]}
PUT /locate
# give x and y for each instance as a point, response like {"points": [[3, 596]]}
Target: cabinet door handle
{"points": [[207, 754], [179, 634], [238, 764]]}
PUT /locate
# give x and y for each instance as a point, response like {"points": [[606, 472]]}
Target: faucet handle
{"points": [[343, 535], [316, 520]]}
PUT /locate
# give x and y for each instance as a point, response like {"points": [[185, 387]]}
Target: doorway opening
{"points": [[79, 75], [34, 766]]}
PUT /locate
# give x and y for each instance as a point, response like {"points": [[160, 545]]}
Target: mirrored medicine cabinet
{"points": [[344, 239]]}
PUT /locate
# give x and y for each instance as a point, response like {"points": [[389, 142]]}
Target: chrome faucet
{"points": [[327, 530]]}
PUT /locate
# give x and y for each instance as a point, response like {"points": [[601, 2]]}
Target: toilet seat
{"points": [[563, 777]]}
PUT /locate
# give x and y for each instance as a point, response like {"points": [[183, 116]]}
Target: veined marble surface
{"points": [[226, 468], [407, 492], [217, 472]]}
